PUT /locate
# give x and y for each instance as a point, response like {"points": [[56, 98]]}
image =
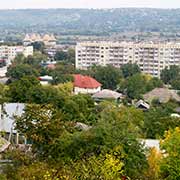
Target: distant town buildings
{"points": [[48, 40], [52, 50], [8, 53], [150, 57]]}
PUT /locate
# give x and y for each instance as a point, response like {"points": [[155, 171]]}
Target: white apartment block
{"points": [[150, 57], [10, 52]]}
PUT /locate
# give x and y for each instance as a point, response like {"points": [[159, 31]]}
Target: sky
{"points": [[23, 4]]}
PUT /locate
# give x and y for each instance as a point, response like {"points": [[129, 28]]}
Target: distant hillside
{"points": [[90, 21]]}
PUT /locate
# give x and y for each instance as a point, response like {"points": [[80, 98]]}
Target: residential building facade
{"points": [[150, 57], [10, 52]]}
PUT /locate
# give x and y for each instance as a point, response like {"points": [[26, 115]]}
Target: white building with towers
{"points": [[48, 40]]}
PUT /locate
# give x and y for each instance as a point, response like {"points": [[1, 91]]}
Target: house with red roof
{"points": [[86, 84]]}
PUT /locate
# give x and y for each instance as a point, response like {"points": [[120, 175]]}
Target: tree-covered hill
{"points": [[90, 21]]}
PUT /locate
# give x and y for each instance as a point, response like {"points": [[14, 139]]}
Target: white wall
{"points": [[78, 90]]}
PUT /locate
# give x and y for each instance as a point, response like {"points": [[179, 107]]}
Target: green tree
{"points": [[123, 126], [16, 72], [42, 125], [38, 46], [111, 141], [154, 160], [176, 83], [32, 60], [80, 108], [68, 57], [170, 74], [66, 88], [61, 56], [130, 70], [19, 59], [62, 73], [105, 166], [170, 164], [135, 86], [19, 90], [153, 83], [157, 120], [61, 78], [36, 59], [71, 55], [3, 93], [109, 76], [43, 94]]}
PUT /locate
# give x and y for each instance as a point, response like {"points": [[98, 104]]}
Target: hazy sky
{"points": [[14, 4]]}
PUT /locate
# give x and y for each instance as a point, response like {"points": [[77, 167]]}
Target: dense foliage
{"points": [[68, 56], [111, 140], [170, 163], [130, 70], [74, 137], [171, 76], [138, 84]]}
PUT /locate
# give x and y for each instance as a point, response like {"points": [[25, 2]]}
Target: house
{"points": [[163, 95], [85, 84], [142, 105], [107, 94]]}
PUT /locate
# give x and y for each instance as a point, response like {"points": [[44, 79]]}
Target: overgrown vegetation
{"points": [[109, 148]]}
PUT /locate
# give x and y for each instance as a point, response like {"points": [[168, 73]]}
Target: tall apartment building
{"points": [[10, 52], [150, 57]]}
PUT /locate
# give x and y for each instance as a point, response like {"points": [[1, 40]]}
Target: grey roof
{"points": [[7, 113], [162, 94], [107, 94]]}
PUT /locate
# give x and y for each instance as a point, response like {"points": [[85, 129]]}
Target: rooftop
{"points": [[85, 82], [107, 94], [162, 94]]}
